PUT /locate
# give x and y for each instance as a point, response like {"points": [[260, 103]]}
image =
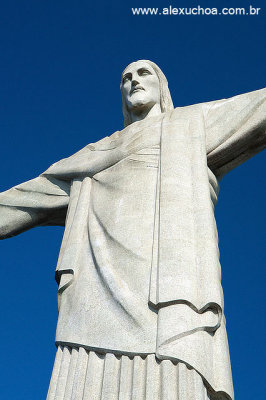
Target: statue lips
{"points": [[136, 89]]}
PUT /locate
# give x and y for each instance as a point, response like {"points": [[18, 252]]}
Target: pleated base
{"points": [[79, 374]]}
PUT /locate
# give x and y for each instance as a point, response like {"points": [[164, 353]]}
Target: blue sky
{"points": [[60, 69]]}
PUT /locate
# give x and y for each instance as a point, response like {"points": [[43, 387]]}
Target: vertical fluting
{"points": [[153, 384], [182, 381], [55, 373], [79, 374], [71, 373], [63, 372], [139, 378], [94, 376], [168, 380], [126, 377], [111, 378]]}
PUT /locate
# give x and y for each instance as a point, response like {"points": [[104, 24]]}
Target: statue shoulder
{"points": [[186, 112]]}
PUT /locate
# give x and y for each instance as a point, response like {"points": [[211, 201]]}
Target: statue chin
{"points": [[139, 104]]}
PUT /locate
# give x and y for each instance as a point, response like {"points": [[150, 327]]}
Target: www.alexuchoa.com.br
{"points": [[196, 11]]}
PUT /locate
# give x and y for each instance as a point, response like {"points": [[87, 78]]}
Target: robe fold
{"points": [[138, 269]]}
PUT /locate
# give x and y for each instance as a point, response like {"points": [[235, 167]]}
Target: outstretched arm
{"points": [[235, 130], [40, 201]]}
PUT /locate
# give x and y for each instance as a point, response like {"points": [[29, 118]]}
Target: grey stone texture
{"points": [[138, 269]]}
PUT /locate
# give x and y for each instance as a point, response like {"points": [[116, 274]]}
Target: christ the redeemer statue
{"points": [[140, 296]]}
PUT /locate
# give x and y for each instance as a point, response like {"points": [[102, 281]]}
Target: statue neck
{"points": [[145, 113]]}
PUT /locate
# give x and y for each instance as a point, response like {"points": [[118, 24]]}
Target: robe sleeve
{"points": [[40, 201], [235, 130]]}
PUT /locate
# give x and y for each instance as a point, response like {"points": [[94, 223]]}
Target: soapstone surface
{"points": [[138, 270]]}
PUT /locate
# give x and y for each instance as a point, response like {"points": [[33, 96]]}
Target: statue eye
{"points": [[144, 72], [126, 78]]}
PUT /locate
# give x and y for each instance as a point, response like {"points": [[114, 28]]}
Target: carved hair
{"points": [[165, 96]]}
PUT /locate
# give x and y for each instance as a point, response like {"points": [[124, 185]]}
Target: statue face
{"points": [[140, 86]]}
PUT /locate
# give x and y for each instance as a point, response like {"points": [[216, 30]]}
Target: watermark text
{"points": [[170, 10]]}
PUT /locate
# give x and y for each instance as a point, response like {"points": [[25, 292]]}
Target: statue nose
{"points": [[135, 82]]}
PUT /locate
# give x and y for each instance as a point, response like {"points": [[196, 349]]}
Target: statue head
{"points": [[144, 86]]}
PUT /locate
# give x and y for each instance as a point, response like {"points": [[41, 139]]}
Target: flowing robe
{"points": [[138, 269]]}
